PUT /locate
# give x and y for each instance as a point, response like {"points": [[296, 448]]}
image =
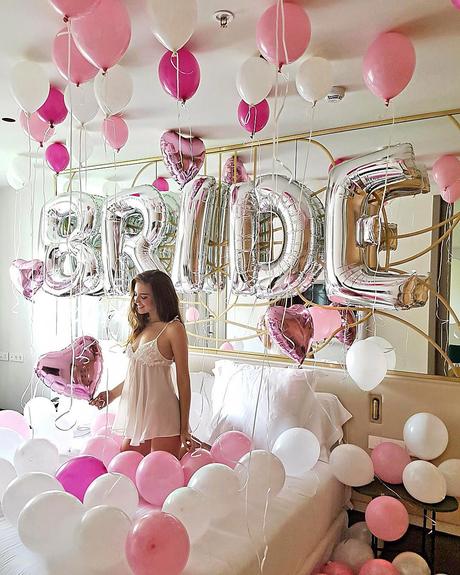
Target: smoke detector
{"points": [[336, 94], [224, 17]]}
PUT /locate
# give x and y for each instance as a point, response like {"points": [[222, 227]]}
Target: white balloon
{"points": [[255, 80], [425, 436], [7, 474], [451, 471], [261, 475], [10, 440], [24, 488], [81, 102], [220, 485], [424, 482], [351, 465], [314, 79], [39, 412], [359, 531], [48, 523], [387, 348], [366, 364], [36, 455], [101, 536], [298, 449], [192, 510], [172, 22], [113, 90], [115, 490], [30, 85], [409, 563], [21, 170], [353, 552]]}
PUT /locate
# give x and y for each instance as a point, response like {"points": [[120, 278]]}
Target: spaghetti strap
{"points": [[162, 331]]}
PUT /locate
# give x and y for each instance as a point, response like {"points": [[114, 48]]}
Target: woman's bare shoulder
{"points": [[176, 328]]}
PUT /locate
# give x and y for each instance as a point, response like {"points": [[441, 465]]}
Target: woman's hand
{"points": [[102, 399], [187, 441]]}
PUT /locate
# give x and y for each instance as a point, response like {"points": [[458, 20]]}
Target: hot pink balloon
{"points": [[452, 193], [57, 157], [158, 474], [104, 419], [378, 567], [161, 184], [389, 462], [103, 35], [387, 518], [126, 463], [72, 9], [325, 322], [388, 65], [157, 543], [35, 127], [446, 171], [104, 448], [253, 118], [230, 447], [27, 276], [191, 462], [293, 37], [80, 69], [456, 4], [292, 329], [336, 568], [15, 421], [54, 110], [182, 68], [115, 131], [77, 474]]}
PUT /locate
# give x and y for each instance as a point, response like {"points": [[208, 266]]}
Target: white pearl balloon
{"points": [[409, 563], [191, 508], [351, 465], [261, 475], [10, 440], [366, 364], [173, 21], [30, 85], [425, 436], [387, 348], [424, 482], [314, 79], [81, 102], [353, 552], [255, 80], [7, 474], [36, 455], [113, 90], [451, 471], [115, 490], [359, 531], [220, 485], [298, 449]]}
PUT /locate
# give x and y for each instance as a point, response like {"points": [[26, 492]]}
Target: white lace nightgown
{"points": [[149, 406]]}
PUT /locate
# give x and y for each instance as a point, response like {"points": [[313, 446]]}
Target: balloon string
{"points": [[175, 55]]}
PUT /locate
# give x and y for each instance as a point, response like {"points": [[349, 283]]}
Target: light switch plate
{"points": [[4, 356], [17, 357]]}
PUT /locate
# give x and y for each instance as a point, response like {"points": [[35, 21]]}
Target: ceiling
{"points": [[341, 32]]}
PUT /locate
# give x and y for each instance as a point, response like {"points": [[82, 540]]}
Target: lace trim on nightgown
{"points": [[148, 354]]}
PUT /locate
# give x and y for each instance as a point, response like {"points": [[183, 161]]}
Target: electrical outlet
{"points": [[4, 356], [18, 357]]}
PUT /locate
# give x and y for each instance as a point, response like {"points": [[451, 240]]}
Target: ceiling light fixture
{"points": [[224, 17]]}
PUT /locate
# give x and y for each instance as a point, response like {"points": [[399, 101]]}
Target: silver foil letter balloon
{"points": [[355, 232]]}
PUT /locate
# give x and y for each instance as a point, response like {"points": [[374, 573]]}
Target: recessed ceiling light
{"points": [[224, 17], [8, 119]]}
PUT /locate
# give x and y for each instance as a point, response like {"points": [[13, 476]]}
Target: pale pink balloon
{"points": [[161, 184], [57, 157], [336, 568], [157, 543], [103, 35], [126, 463], [378, 567], [446, 171], [192, 461], [389, 462], [103, 448], [387, 518], [452, 193], [293, 37], [388, 65], [104, 419], [325, 322], [179, 74], [230, 447], [227, 346], [72, 9], [15, 421], [107, 432], [253, 118], [115, 131], [192, 314], [80, 69], [158, 474], [54, 110], [35, 127]]}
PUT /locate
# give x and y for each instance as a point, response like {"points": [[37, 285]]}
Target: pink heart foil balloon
{"points": [[27, 276], [55, 368], [292, 329], [183, 156], [230, 175], [348, 334]]}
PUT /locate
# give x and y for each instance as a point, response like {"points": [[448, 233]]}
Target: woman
{"points": [[150, 416]]}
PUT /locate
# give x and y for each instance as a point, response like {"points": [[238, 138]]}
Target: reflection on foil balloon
{"points": [[183, 156], [70, 237], [133, 227], [216, 275], [193, 235], [292, 329], [348, 333], [234, 173], [166, 249], [74, 371], [355, 230], [27, 276]]}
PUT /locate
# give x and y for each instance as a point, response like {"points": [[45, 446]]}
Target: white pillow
{"points": [[201, 384]]}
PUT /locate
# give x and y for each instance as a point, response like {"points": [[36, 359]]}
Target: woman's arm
{"points": [[179, 346], [106, 397]]}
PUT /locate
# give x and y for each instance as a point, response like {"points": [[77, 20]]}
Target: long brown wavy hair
{"points": [[164, 297]]}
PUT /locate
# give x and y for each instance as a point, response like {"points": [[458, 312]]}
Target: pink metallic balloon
{"points": [[161, 184], [71, 9], [158, 474], [54, 110], [115, 131], [55, 368], [27, 276], [191, 462], [292, 329], [80, 69], [348, 334], [230, 175], [378, 567], [57, 157], [35, 127], [77, 474], [179, 74], [230, 447], [126, 463], [387, 518], [253, 118], [389, 462], [183, 156], [446, 171]]}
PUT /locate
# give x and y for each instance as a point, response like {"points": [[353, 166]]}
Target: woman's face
{"points": [[143, 298]]}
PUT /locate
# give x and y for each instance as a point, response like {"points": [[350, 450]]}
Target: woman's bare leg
{"points": [[144, 448], [169, 444]]}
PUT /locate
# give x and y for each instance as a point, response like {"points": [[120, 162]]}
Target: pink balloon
{"points": [[71, 9], [182, 67], [103, 35], [378, 567], [104, 419], [55, 368], [230, 447], [227, 346], [387, 518], [80, 69], [115, 131], [446, 171], [388, 65], [348, 334], [107, 432], [54, 110], [253, 118], [27, 276], [126, 463], [15, 421], [77, 474], [104, 448], [183, 156], [192, 314], [389, 462], [456, 4], [230, 175], [157, 543], [293, 37], [452, 193], [57, 157], [158, 474], [161, 184], [336, 568], [191, 462], [291, 328], [325, 322], [35, 127]]}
